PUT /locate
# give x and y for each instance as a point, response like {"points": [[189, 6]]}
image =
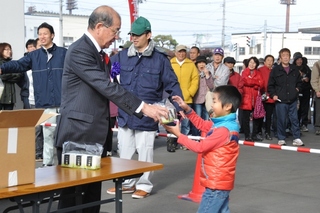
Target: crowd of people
{"points": [[91, 92]]}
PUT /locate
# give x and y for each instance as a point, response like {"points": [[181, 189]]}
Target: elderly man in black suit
{"points": [[86, 91]]}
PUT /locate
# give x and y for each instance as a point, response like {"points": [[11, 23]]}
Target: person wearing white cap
{"points": [[188, 78]]}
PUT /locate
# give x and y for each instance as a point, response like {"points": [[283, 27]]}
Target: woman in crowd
{"points": [[268, 102], [252, 83], [8, 97], [205, 83]]}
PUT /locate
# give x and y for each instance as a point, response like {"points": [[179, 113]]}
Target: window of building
{"points": [[35, 32], [251, 50], [242, 50], [258, 46], [316, 51], [307, 50]]}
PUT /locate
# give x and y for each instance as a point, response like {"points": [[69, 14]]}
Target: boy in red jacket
{"points": [[219, 149]]}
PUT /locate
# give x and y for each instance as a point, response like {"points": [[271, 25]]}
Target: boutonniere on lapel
{"points": [[115, 69]]}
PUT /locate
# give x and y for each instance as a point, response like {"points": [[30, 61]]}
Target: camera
{"points": [[264, 97]]}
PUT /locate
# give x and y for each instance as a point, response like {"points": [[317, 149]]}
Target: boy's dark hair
{"points": [[30, 42], [46, 25], [229, 94]]}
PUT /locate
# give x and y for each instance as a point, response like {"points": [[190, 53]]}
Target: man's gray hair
{"points": [[101, 15]]}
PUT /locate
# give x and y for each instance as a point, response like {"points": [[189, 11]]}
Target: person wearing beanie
{"points": [[235, 78], [304, 94], [205, 82]]}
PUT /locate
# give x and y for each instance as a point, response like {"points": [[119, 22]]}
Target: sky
{"points": [[201, 20]]}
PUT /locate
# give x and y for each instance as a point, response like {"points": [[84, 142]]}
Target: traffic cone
{"points": [[197, 190]]}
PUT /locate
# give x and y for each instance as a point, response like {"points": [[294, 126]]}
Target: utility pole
{"points": [[71, 5], [288, 3], [223, 22], [60, 25], [265, 38]]}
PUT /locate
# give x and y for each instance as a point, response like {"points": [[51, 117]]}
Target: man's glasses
{"points": [[115, 32]]}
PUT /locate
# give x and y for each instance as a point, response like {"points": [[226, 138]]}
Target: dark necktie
{"points": [[104, 57], [102, 54]]}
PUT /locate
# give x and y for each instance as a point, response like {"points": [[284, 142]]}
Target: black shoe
{"points": [[268, 137], [257, 138], [248, 139], [171, 144]]}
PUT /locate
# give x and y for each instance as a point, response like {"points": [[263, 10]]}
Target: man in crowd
{"points": [[188, 78], [194, 53], [315, 83], [304, 94], [283, 86], [47, 66], [147, 73], [219, 71]]}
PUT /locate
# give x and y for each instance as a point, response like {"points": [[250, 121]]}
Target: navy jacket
{"points": [[147, 77], [284, 85], [47, 74]]}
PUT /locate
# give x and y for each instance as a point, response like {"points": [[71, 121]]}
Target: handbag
{"points": [[259, 111]]}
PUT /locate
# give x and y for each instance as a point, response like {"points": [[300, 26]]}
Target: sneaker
{"points": [[318, 132], [130, 190], [303, 128], [183, 148], [281, 142], [140, 194], [297, 142], [109, 153]]}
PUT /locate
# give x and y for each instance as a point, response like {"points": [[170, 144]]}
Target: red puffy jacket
{"points": [[252, 82], [265, 73]]}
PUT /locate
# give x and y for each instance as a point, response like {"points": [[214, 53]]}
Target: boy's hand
{"points": [[181, 103], [173, 129]]}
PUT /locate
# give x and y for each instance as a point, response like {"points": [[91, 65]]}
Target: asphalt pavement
{"points": [[267, 181]]}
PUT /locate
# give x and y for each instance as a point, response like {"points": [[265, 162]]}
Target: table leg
{"points": [[118, 201]]}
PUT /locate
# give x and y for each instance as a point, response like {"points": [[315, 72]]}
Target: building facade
{"points": [[246, 45]]}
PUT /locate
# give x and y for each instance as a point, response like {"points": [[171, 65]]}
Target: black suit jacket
{"points": [[86, 91]]}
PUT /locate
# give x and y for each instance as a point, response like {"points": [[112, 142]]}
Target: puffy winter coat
{"points": [[147, 77], [252, 83], [265, 73]]}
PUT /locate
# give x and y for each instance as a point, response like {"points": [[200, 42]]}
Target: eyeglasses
{"points": [[115, 32]]}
